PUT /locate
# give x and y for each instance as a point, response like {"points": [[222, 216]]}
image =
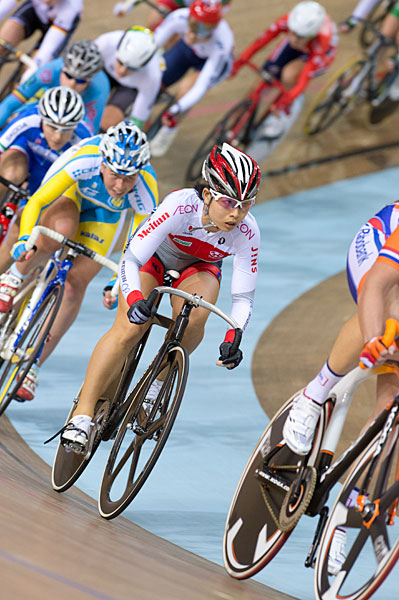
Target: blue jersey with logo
{"points": [[25, 134], [94, 96]]}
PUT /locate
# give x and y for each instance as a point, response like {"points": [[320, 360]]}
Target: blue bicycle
{"points": [[26, 328]]}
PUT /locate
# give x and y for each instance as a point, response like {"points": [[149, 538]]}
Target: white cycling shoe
{"points": [[162, 141], [337, 554], [300, 425], [76, 434]]}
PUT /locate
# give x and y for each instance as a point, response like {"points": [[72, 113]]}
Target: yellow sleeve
{"points": [[45, 195]]}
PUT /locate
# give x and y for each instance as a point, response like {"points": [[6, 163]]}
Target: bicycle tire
{"points": [[175, 360], [386, 553], [252, 537], [68, 466], [34, 338], [375, 17], [220, 133], [329, 103]]}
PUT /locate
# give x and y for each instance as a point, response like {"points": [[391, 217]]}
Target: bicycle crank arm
{"points": [[310, 559], [271, 477]]}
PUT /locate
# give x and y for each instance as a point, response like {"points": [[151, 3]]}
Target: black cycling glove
{"points": [[140, 312], [227, 356]]}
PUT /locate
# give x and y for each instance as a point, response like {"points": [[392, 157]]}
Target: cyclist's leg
{"points": [[118, 103], [20, 25], [154, 17], [110, 352]]}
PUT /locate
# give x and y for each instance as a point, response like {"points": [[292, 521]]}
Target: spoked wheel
{"points": [[27, 349], [372, 546], [375, 17], [228, 129], [253, 533], [335, 99], [68, 466], [141, 437]]}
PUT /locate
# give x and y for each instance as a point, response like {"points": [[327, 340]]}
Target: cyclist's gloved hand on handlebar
{"points": [[228, 356], [140, 311], [375, 350], [19, 251]]}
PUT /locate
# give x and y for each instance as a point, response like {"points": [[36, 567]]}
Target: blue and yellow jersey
{"points": [[76, 175]]}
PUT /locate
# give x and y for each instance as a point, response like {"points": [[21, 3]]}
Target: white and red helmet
{"points": [[208, 12], [230, 171]]}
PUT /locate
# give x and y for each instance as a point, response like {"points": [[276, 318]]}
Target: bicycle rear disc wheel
{"points": [[29, 347], [223, 131], [372, 546], [330, 103], [252, 536], [136, 449]]}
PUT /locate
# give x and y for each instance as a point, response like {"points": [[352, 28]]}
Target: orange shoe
{"points": [[9, 286]]}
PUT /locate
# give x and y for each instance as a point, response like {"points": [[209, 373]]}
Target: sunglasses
{"points": [[200, 29], [77, 79], [62, 128], [231, 203]]}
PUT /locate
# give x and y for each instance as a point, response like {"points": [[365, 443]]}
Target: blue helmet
{"points": [[125, 148]]}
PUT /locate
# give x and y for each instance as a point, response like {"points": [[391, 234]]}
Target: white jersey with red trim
{"points": [[175, 232]]}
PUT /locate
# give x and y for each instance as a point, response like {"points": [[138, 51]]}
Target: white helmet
{"points": [[124, 148], [306, 19], [136, 48], [61, 106], [83, 59]]}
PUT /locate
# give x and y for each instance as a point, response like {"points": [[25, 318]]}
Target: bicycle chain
{"points": [[266, 501]]}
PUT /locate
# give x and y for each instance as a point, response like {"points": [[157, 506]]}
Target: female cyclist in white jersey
{"points": [[191, 231]]}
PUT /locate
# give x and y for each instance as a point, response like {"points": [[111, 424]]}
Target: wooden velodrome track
{"points": [[55, 546]]}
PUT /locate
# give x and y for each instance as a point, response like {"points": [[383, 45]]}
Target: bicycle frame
{"points": [[45, 282], [329, 473], [254, 98]]}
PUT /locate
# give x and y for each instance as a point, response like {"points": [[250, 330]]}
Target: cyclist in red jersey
{"points": [[307, 50]]}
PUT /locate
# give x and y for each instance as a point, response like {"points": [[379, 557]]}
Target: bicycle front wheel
{"points": [[372, 547], [141, 438], [252, 534], [335, 99], [231, 128], [28, 347]]}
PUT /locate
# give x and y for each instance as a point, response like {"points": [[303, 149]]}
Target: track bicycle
{"points": [[120, 416], [376, 16], [357, 82], [26, 328], [278, 486], [238, 126], [19, 61], [139, 435]]}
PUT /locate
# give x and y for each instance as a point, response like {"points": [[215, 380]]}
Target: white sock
{"points": [[319, 388], [13, 270]]}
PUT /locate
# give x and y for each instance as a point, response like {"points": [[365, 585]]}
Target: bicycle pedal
{"points": [[74, 447]]}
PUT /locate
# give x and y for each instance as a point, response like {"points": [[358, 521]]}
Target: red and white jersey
{"points": [[320, 50], [175, 232]]}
